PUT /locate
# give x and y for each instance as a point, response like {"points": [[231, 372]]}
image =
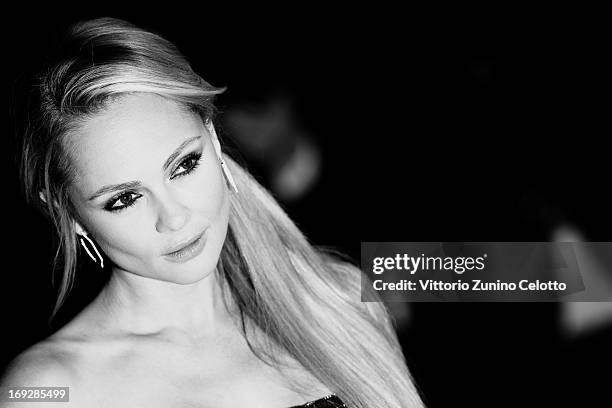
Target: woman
{"points": [[215, 298]]}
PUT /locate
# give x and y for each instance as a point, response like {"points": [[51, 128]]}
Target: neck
{"points": [[143, 306]]}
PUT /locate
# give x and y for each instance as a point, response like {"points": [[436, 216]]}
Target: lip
{"points": [[188, 249]]}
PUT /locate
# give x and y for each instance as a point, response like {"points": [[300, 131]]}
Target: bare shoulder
{"points": [[55, 361], [46, 364]]}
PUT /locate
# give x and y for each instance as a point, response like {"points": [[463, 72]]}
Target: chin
{"points": [[190, 277], [195, 269]]}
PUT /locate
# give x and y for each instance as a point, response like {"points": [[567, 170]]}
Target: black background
{"points": [[439, 123]]}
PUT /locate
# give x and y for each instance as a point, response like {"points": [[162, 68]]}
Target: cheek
{"points": [[127, 237], [205, 192]]}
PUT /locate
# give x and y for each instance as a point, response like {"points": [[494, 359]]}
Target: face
{"points": [[148, 183]]}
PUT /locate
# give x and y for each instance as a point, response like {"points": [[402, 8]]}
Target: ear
{"points": [[217, 146], [43, 198], [215, 138], [79, 229]]}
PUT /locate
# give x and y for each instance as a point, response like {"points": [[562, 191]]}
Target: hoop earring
{"points": [[217, 146], [84, 235]]}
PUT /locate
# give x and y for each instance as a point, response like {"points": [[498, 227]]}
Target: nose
{"points": [[172, 215]]}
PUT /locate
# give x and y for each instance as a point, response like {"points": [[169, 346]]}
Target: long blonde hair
{"points": [[303, 299]]}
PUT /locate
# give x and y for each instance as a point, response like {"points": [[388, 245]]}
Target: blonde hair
{"points": [[268, 268]]}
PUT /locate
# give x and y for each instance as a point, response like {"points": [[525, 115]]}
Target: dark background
{"points": [[438, 123]]}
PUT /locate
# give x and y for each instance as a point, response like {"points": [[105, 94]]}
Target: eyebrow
{"points": [[178, 151], [135, 184]]}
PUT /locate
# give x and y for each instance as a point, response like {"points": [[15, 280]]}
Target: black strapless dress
{"points": [[330, 401]]}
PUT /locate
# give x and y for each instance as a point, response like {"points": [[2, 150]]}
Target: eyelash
{"points": [[194, 157]]}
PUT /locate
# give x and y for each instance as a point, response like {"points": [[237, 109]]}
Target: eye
{"points": [[188, 164], [129, 198], [125, 200]]}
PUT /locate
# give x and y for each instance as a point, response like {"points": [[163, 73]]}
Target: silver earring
{"points": [[217, 146], [82, 234], [228, 175]]}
